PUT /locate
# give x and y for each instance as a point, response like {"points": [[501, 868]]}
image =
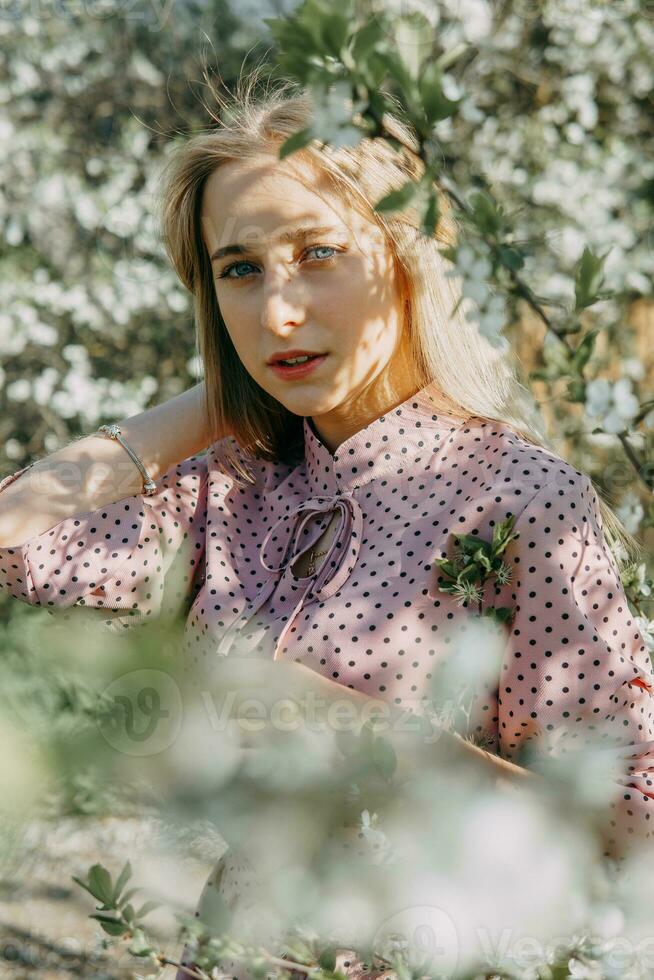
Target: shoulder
{"points": [[494, 473], [505, 458]]}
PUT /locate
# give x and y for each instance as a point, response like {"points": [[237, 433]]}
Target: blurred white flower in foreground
{"points": [[376, 837], [487, 892], [23, 770]]}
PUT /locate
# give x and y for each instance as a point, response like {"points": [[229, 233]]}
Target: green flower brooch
{"points": [[473, 563]]}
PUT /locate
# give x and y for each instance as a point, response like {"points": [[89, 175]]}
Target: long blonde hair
{"points": [[471, 377]]}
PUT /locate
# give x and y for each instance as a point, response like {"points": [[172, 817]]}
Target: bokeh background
{"points": [[94, 326]]}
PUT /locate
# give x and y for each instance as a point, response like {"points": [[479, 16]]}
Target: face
{"points": [[332, 292]]}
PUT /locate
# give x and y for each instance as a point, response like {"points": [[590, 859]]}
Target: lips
{"points": [[291, 355], [290, 371], [305, 359]]}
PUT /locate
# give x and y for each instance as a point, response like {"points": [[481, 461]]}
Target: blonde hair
{"points": [[471, 377]]}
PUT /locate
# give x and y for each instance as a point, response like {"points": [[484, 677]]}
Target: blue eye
{"points": [[225, 274]]}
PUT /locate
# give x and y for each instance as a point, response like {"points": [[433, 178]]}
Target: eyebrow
{"points": [[298, 234]]}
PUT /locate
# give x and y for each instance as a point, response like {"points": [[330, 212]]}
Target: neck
{"points": [[333, 428]]}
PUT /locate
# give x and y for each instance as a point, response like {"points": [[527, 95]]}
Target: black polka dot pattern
{"points": [[372, 617]]}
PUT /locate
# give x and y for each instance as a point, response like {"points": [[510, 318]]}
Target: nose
{"points": [[283, 306]]}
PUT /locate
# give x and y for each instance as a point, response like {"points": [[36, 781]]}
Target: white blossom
{"points": [[44, 385], [332, 111], [646, 627], [633, 368], [631, 512], [614, 403], [19, 390]]}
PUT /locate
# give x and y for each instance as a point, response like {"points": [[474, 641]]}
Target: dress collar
{"points": [[406, 436]]}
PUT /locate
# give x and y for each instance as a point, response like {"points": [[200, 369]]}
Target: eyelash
{"points": [[225, 273]]}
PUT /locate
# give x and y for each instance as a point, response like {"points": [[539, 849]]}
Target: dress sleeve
{"points": [[135, 556], [576, 668]]}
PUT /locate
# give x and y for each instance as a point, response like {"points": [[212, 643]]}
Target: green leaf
{"points": [[365, 39], [311, 15], [435, 103], [589, 278], [397, 199], [327, 959], [502, 534], [448, 567], [576, 391], [584, 350], [129, 894], [470, 573], [540, 375], [398, 70], [147, 908], [113, 927], [471, 543], [449, 587], [511, 257], [294, 40], [335, 30], [412, 35], [431, 215], [374, 70], [482, 559], [99, 884], [487, 214], [296, 142], [121, 881], [502, 614], [82, 884]]}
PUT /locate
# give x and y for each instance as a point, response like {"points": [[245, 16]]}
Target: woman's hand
{"points": [[281, 696], [262, 697], [410, 745]]}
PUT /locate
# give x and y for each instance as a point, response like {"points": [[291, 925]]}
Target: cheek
{"points": [[229, 304], [370, 296], [239, 320], [344, 310]]}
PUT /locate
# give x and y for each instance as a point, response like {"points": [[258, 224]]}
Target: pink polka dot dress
{"points": [[371, 615]]}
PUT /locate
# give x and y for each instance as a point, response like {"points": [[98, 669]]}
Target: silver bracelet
{"points": [[113, 431]]}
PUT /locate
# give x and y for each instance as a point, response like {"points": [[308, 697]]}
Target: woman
{"points": [[309, 530]]}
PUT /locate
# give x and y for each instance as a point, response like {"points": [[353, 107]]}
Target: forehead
{"points": [[250, 202]]}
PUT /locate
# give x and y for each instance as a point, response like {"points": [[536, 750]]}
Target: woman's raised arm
{"points": [[95, 471]]}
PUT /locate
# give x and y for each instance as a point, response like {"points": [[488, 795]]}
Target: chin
{"points": [[304, 403]]}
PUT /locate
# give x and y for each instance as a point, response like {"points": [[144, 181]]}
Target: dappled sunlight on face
{"points": [[333, 291]]}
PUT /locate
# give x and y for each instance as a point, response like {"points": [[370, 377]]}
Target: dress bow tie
{"points": [[285, 538]]}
